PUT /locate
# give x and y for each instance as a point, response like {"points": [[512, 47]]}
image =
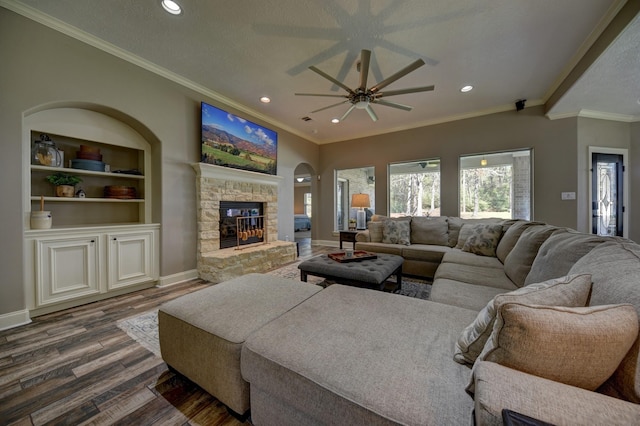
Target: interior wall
{"points": [[600, 133], [634, 182], [298, 198], [554, 151], [44, 67]]}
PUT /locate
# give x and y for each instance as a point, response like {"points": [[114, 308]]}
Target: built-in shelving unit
{"points": [[97, 246]]}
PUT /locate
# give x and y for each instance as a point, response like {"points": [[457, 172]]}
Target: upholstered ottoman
{"points": [[371, 273], [202, 333]]}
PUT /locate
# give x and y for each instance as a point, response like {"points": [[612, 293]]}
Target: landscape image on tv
{"points": [[232, 141]]}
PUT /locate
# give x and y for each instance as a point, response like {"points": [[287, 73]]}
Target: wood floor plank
{"points": [[77, 367]]}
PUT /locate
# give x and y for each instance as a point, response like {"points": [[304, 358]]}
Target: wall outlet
{"points": [[568, 195]]}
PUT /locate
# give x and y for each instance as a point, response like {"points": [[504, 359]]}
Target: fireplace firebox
{"points": [[241, 223]]}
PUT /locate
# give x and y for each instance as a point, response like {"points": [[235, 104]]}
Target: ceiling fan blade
{"points": [[351, 108], [321, 94], [394, 105], [404, 71], [327, 107], [372, 114], [404, 91], [365, 58], [331, 79]]}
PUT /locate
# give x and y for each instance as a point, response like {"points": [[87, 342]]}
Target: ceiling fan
{"points": [[361, 97]]}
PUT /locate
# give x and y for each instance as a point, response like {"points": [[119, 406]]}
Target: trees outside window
{"points": [[414, 188], [496, 185]]}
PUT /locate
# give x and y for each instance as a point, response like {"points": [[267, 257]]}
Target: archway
{"points": [[305, 189]]}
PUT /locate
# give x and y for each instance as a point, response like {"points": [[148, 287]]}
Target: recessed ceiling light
{"points": [[265, 100], [171, 6], [465, 89], [335, 120]]}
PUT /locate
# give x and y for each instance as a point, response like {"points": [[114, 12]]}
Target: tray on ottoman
{"points": [[358, 255]]}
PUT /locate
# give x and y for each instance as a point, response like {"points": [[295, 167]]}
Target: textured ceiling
{"points": [[238, 51]]}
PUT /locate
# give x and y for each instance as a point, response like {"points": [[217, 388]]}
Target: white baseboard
{"points": [[14, 319], [180, 277]]}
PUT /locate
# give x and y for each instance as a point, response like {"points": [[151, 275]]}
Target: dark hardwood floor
{"points": [[77, 367]]}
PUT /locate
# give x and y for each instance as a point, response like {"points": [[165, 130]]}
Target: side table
{"points": [[348, 236]]}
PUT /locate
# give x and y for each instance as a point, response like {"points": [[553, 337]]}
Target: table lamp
{"points": [[360, 201]]}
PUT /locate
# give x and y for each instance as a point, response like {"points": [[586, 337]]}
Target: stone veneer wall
{"points": [[215, 184]]}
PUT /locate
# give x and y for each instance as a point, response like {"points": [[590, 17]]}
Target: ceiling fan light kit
{"points": [[363, 98]]}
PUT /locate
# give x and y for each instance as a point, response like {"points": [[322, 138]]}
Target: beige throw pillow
{"points": [[375, 231], [483, 240], [572, 290], [576, 346], [396, 231]]}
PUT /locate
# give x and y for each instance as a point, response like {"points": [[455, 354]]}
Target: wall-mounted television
{"points": [[232, 141]]}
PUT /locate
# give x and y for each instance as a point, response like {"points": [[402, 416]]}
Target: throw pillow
{"points": [[579, 347], [572, 290], [375, 231], [396, 231], [483, 240]]}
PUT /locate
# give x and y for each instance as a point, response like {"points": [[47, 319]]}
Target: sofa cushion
{"points": [[381, 247], [424, 252], [577, 346], [463, 295], [518, 262], [483, 240], [373, 357], [559, 253], [429, 230], [456, 223], [477, 275], [572, 291], [375, 232], [465, 258], [511, 236], [615, 272]]}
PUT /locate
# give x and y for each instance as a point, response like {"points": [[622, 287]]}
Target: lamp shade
{"points": [[360, 200]]}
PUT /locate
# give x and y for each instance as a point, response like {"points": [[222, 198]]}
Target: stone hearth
{"points": [[216, 183]]}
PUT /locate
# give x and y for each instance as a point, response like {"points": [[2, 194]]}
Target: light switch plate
{"points": [[568, 195]]}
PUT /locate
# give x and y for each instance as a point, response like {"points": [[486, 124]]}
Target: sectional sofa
{"points": [[524, 316]]}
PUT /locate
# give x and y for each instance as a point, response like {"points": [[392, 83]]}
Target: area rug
{"points": [[143, 328]]}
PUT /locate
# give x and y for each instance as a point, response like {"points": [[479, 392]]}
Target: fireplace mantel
{"points": [[226, 173]]}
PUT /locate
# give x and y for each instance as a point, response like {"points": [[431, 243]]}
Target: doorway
{"points": [[608, 193], [303, 206]]}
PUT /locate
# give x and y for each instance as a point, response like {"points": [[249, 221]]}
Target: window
{"points": [[496, 185], [307, 203], [349, 182], [414, 188]]}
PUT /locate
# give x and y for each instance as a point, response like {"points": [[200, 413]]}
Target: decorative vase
{"points": [[40, 220], [65, 191]]}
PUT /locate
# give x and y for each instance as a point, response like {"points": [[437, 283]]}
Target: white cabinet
{"points": [[66, 268], [69, 267], [130, 259]]}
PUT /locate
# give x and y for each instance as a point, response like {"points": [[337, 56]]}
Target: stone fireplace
{"points": [[215, 184]]}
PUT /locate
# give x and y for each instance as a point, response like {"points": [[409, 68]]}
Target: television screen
{"points": [[232, 141]]}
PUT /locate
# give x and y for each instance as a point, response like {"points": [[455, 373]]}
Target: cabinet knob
{"points": [[93, 241], [115, 239]]}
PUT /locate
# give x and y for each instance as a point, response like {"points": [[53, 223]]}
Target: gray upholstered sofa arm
{"points": [[498, 387], [363, 236]]}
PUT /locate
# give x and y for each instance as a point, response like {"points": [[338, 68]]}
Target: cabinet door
{"points": [[130, 259], [66, 268]]}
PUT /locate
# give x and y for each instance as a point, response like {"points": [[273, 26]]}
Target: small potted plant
{"points": [[64, 183]]}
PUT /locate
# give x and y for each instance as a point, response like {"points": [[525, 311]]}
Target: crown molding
{"points": [[601, 115]]}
